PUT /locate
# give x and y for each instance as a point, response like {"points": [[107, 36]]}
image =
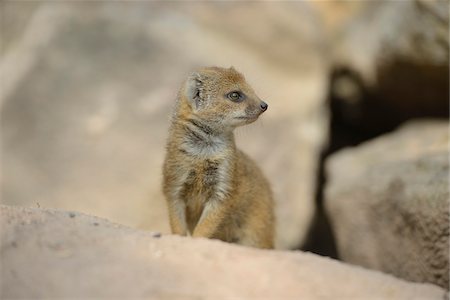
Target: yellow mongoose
{"points": [[214, 190]]}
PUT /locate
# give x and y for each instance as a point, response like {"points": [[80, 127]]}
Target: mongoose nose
{"points": [[264, 106]]}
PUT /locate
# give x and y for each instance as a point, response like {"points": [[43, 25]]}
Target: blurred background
{"points": [[87, 89]]}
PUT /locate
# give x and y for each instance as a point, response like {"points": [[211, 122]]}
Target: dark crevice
{"points": [[320, 239]]}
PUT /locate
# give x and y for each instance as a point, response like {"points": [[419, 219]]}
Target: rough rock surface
{"points": [[390, 63], [55, 254], [388, 202], [87, 89]]}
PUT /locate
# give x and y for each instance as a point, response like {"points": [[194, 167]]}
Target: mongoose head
{"points": [[222, 98]]}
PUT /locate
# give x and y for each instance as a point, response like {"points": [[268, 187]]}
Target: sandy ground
{"points": [[55, 254]]}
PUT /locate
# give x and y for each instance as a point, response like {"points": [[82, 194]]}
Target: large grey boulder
{"points": [[87, 90], [388, 202], [58, 254]]}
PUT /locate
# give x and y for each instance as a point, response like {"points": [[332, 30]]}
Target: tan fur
{"points": [[214, 190]]}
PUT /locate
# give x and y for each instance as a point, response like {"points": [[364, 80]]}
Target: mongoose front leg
{"points": [[211, 218], [177, 217]]}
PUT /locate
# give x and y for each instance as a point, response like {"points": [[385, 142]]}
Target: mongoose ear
{"points": [[194, 90]]}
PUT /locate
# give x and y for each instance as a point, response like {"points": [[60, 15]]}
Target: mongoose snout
{"points": [[264, 106], [213, 189]]}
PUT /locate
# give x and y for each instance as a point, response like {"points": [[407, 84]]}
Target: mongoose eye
{"points": [[235, 96]]}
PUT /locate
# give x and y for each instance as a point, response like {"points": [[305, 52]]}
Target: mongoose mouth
{"points": [[247, 118]]}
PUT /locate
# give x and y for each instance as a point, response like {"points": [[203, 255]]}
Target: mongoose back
{"points": [[214, 190]]}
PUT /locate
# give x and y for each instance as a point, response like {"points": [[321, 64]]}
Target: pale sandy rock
{"points": [[60, 254], [89, 87], [390, 63], [388, 202], [419, 34]]}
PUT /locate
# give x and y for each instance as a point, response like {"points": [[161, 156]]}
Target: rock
{"points": [[50, 254], [88, 89], [388, 202], [390, 64]]}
